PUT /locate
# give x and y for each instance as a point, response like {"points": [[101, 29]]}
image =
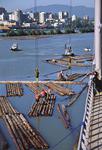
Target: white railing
{"points": [[84, 133]]}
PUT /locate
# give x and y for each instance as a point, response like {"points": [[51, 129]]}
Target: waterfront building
{"points": [[3, 16], [86, 18], [16, 16], [60, 15], [42, 17], [63, 15], [74, 17], [31, 15]]}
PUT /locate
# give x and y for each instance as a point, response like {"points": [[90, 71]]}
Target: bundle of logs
{"points": [[24, 136], [44, 107], [14, 89]]}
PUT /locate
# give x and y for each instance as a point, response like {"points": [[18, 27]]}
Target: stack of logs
{"points": [[24, 136], [14, 89], [74, 76], [44, 107], [59, 89]]}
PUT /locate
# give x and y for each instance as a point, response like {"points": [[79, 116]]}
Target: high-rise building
{"points": [[74, 17], [16, 16], [63, 15], [42, 17]]}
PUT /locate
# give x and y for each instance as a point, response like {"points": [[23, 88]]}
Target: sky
{"points": [[24, 4]]}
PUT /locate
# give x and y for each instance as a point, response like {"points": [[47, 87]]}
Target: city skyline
{"points": [[22, 5]]}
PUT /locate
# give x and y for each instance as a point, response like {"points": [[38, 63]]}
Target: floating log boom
{"points": [[24, 136]]}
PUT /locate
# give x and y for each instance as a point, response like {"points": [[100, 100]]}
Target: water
{"points": [[51, 128], [21, 65]]}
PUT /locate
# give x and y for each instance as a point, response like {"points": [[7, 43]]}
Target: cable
{"points": [[36, 49], [70, 22], [64, 138]]}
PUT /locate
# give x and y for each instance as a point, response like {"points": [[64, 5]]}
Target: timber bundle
{"points": [[79, 61], [59, 89], [74, 76], [24, 136], [44, 107], [14, 89]]}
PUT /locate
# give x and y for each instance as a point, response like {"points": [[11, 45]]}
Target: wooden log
{"points": [[66, 124], [76, 96]]}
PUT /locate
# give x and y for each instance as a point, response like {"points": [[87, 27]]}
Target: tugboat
{"points": [[14, 47], [68, 50]]}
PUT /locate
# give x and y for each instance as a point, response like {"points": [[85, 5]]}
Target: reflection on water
{"points": [[20, 65]]}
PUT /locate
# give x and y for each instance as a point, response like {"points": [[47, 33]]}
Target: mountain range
{"points": [[77, 10]]}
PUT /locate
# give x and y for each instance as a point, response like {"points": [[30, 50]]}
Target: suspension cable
{"points": [[65, 137], [36, 49], [70, 21]]}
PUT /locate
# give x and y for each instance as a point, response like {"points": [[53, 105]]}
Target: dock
{"points": [[23, 135], [14, 89], [44, 107]]}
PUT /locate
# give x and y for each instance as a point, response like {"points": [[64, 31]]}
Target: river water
{"points": [[20, 66]]}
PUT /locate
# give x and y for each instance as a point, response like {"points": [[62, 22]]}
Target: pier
{"points": [[24, 136]]}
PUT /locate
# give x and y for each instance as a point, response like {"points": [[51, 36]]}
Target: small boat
{"points": [[68, 51], [87, 49], [14, 47]]}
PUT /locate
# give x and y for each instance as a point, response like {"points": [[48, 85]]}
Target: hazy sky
{"points": [[22, 4]]}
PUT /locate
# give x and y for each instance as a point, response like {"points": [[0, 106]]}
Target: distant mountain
{"points": [[77, 10]]}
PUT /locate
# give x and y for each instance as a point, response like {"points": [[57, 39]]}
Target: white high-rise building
{"points": [[63, 15], [42, 17], [2, 17], [16, 16], [60, 15], [74, 17]]}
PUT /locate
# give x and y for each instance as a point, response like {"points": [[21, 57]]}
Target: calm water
{"points": [[51, 128], [20, 66]]}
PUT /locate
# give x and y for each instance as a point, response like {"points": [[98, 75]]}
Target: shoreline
{"points": [[24, 37], [31, 37]]}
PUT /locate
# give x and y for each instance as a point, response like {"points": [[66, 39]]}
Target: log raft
{"points": [[14, 89], [44, 107], [79, 61], [59, 89], [24, 136]]}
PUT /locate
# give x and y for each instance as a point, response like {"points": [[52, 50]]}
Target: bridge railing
{"points": [[84, 133]]}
